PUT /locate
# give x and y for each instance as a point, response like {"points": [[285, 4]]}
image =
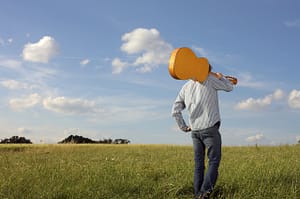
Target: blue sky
{"points": [[100, 68]]}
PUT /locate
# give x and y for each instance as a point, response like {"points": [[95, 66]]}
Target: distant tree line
{"points": [[76, 139], [72, 139], [15, 140]]}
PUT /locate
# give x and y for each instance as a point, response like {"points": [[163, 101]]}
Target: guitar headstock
{"points": [[184, 64]]}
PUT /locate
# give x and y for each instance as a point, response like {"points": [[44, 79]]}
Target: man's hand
{"points": [[219, 75], [186, 129]]}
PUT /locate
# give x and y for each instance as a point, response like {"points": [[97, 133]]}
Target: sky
{"points": [[99, 68]]}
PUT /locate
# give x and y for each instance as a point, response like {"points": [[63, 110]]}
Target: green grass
{"points": [[143, 171]]}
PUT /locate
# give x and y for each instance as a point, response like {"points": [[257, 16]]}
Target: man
{"points": [[201, 102]]}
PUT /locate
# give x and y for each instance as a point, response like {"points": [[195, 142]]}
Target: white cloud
{"points": [[113, 112], [247, 80], [70, 105], [202, 52], [294, 99], [260, 103], [255, 138], [3, 42], [278, 94], [150, 48], [13, 84], [294, 23], [17, 85], [23, 131], [298, 138], [10, 63], [251, 103], [139, 40], [118, 66], [19, 104], [84, 62], [42, 51], [145, 69]]}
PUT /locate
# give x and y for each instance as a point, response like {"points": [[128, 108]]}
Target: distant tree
{"points": [[121, 141], [15, 140], [105, 141], [109, 141], [76, 139]]}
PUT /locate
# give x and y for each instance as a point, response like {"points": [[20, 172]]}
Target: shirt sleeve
{"points": [[177, 109], [220, 84]]}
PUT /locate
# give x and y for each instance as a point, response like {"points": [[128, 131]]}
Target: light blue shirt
{"points": [[201, 102]]}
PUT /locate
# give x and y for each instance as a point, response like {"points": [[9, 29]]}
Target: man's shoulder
{"points": [[190, 83]]}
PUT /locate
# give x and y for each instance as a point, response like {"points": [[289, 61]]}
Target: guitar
{"points": [[184, 64]]}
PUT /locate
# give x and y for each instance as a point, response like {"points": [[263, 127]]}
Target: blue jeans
{"points": [[209, 138]]}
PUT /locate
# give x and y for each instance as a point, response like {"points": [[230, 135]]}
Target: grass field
{"points": [[143, 171]]}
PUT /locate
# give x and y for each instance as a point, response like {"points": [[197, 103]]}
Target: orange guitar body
{"points": [[184, 64]]}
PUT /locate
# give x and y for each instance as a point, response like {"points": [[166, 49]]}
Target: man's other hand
{"points": [[186, 129]]}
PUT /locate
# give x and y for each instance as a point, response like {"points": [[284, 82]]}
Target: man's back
{"points": [[201, 101]]}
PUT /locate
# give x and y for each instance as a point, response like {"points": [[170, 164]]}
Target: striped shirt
{"points": [[201, 102]]}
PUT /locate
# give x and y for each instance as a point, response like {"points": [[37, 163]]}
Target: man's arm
{"points": [[181, 123], [220, 82], [177, 109]]}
